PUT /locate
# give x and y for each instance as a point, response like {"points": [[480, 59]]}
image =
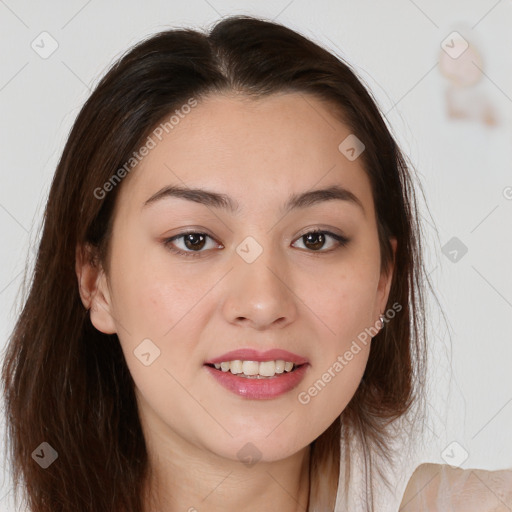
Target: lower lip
{"points": [[259, 389]]}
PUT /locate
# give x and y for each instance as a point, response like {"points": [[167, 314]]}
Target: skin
{"points": [[296, 295], [438, 487]]}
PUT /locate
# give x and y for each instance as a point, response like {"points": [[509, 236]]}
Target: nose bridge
{"points": [[258, 291], [259, 263]]}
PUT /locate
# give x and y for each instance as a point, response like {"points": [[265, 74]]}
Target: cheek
{"points": [[332, 385], [163, 323], [340, 365], [150, 294], [161, 311], [343, 303], [343, 299]]}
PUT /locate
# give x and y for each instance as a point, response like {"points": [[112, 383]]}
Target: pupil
{"points": [[193, 238], [316, 245]]}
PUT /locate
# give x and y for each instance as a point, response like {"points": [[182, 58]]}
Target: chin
{"points": [[249, 449]]}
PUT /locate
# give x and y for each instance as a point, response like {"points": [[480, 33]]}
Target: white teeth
{"points": [[255, 369], [268, 368], [250, 367], [280, 366], [236, 366]]}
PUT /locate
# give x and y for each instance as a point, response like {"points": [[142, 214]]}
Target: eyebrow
{"points": [[225, 202]]}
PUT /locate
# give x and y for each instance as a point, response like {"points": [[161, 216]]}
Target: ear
{"points": [[93, 288], [385, 280]]}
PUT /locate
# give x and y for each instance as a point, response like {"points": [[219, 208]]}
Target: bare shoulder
{"points": [[440, 487]]}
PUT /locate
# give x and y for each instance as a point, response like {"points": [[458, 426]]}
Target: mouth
{"points": [[256, 369], [258, 376]]}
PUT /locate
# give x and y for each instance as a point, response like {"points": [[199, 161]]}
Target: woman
{"points": [[228, 294]]}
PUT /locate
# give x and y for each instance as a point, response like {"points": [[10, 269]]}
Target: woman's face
{"points": [[253, 281]]}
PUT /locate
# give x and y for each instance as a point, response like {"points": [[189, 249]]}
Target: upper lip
{"points": [[249, 354]]}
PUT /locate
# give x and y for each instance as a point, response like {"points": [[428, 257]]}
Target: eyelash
{"points": [[341, 241]]}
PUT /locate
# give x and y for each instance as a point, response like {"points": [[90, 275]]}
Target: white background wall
{"points": [[395, 46]]}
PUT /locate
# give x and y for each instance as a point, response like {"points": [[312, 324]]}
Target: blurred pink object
{"points": [[461, 63]]}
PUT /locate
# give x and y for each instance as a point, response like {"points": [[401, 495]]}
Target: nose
{"points": [[260, 294]]}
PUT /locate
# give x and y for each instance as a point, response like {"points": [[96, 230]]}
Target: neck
{"points": [[185, 477]]}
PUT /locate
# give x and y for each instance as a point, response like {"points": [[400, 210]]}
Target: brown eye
{"points": [[316, 240], [192, 243]]}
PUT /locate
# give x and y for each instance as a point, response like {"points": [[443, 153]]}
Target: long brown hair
{"points": [[68, 384]]}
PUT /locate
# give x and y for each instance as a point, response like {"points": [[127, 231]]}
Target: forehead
{"points": [[256, 150]]}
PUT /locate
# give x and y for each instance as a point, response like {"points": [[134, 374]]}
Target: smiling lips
{"points": [[258, 375]]}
